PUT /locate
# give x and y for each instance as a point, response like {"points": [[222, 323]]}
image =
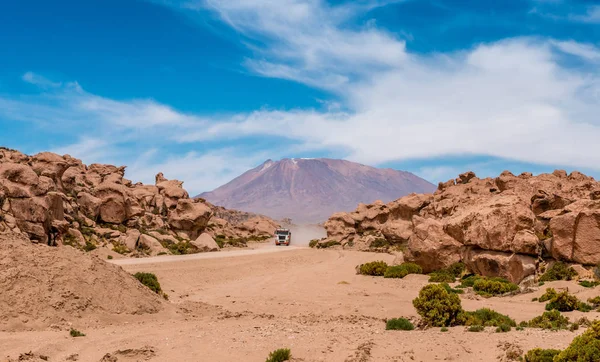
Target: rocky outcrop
{"points": [[56, 199], [497, 226]]}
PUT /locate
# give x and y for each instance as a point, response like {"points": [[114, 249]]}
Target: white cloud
{"points": [[591, 16], [40, 81]]}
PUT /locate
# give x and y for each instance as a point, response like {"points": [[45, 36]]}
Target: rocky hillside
{"points": [[310, 190], [506, 226], [58, 200]]}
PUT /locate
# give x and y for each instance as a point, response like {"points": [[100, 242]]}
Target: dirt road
{"points": [[240, 306]]}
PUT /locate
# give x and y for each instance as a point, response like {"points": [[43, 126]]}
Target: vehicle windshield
{"points": [[282, 232]]}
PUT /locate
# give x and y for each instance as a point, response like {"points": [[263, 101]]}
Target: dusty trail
{"points": [[241, 308]]}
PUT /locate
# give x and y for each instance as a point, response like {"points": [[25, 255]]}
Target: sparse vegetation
{"points": [[486, 317], [589, 283], [449, 289], [441, 276], [76, 333], [558, 271], [120, 248], [469, 281], [548, 295], [565, 302], [89, 246], [109, 257], [585, 347], [279, 355], [313, 243], [493, 286], [594, 301], [150, 280], [476, 328], [503, 328], [374, 268], [379, 243], [444, 329], [327, 244], [541, 355], [402, 324], [402, 270], [437, 307], [550, 320]]}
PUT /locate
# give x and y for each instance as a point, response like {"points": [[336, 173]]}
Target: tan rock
{"points": [[150, 244], [513, 267], [205, 242], [189, 218], [89, 204], [431, 247]]}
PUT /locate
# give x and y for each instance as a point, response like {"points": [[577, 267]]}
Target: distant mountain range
{"points": [[310, 190]]}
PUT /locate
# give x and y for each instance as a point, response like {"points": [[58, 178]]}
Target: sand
{"points": [[230, 306]]}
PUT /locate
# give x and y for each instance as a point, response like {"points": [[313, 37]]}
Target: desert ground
{"points": [[240, 305]]}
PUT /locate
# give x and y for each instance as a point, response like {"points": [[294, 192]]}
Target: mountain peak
{"points": [[311, 189]]}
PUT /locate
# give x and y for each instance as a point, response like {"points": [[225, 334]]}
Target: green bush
{"points": [[589, 283], [400, 271], [486, 317], [444, 329], [469, 281], [585, 347], [503, 328], [558, 271], [449, 289], [89, 246], [456, 269], [548, 295], [563, 302], [109, 257], [401, 324], [550, 320], [375, 268], [150, 280], [437, 307], [313, 243], [327, 244], [594, 301], [379, 243], [476, 328], [441, 276], [493, 286], [541, 355], [76, 333], [584, 307], [280, 355]]}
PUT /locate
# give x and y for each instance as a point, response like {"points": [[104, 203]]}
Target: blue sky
{"points": [[202, 90]]}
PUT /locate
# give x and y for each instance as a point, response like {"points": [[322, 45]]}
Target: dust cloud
{"points": [[303, 234]]}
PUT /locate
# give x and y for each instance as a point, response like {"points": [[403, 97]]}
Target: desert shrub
{"points": [[584, 348], [503, 328], [493, 286], [279, 355], [109, 257], [486, 317], [180, 248], [150, 280], [563, 302], [402, 324], [519, 328], [469, 281], [220, 240], [541, 355], [548, 295], [76, 333], [550, 320], [402, 270], [534, 299], [379, 243], [456, 269], [589, 283], [327, 244], [594, 301], [444, 329], [437, 307], [441, 276], [541, 283], [120, 248], [558, 271], [584, 307], [313, 243], [89, 246], [375, 268], [449, 289], [476, 328]]}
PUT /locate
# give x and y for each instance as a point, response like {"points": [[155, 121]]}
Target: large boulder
{"points": [[189, 218], [513, 267], [431, 247], [576, 234], [205, 242]]}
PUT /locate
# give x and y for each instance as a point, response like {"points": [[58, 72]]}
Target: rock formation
{"points": [[500, 226], [56, 199]]}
